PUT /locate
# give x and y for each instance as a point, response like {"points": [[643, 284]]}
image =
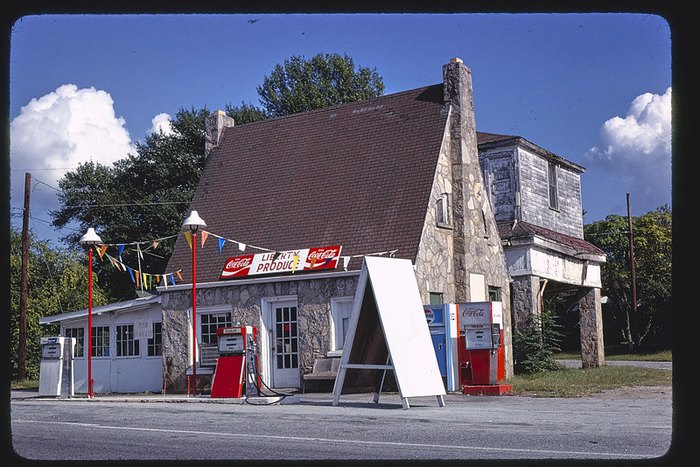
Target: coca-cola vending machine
{"points": [[481, 351]]}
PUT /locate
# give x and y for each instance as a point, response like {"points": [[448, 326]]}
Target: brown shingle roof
{"points": [[357, 175], [526, 230]]}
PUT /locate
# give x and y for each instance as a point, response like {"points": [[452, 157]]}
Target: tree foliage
{"points": [[300, 85], [652, 234], [534, 345], [57, 282], [141, 197]]}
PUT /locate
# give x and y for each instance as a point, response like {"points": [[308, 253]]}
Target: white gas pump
{"points": [[56, 369]]}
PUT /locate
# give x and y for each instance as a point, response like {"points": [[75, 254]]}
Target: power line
{"points": [[120, 205]]}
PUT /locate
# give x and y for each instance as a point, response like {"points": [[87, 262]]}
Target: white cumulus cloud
{"points": [[161, 124], [635, 150], [56, 132]]}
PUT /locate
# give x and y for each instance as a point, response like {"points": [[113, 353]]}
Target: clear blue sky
{"points": [[554, 79]]}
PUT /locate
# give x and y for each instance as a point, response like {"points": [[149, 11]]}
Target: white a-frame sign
{"points": [[388, 331]]}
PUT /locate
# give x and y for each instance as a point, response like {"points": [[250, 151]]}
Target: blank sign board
{"points": [[388, 331]]}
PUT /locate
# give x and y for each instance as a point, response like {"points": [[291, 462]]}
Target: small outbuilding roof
{"points": [[131, 305]]}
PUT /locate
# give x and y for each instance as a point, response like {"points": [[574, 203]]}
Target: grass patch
{"points": [[620, 353], [577, 382], [24, 384]]}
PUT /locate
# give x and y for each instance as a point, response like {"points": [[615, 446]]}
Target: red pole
{"points": [[194, 310], [89, 347]]}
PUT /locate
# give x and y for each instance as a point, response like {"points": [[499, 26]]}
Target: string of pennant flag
{"points": [[148, 280]]}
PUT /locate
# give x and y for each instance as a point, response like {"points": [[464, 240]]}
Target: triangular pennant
{"points": [[221, 243], [205, 234], [172, 279], [138, 278], [346, 260], [313, 261], [296, 260], [241, 246], [121, 250], [165, 281], [179, 276], [102, 250], [188, 237], [131, 273], [115, 263], [155, 243], [275, 256]]}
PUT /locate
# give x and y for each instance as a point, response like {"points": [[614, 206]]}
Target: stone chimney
{"points": [[479, 260], [215, 125]]}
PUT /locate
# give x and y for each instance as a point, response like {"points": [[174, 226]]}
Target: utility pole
{"points": [[632, 272], [24, 282]]}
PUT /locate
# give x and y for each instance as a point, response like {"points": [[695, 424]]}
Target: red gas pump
{"points": [[237, 365], [481, 352]]}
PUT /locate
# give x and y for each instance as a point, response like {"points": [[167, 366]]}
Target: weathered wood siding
{"points": [[534, 195], [518, 187], [500, 178]]}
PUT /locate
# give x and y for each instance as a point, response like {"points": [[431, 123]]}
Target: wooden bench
{"points": [[325, 369]]}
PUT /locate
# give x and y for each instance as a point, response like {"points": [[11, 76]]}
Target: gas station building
{"points": [[481, 217]]}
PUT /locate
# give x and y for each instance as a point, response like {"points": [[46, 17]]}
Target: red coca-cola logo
{"points": [[239, 263], [323, 254]]}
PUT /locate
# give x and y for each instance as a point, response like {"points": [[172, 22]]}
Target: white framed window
{"points": [[442, 211], [341, 311], [155, 343], [210, 322], [553, 185], [100, 341], [79, 335], [127, 346]]}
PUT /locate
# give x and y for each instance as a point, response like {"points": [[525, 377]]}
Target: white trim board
{"points": [[387, 293]]}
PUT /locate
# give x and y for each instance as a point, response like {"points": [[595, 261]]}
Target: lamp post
{"points": [[194, 222], [89, 240]]}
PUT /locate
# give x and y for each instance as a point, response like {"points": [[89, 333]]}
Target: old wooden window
{"points": [[100, 341], [553, 190], [155, 343], [79, 335], [442, 211], [127, 346]]}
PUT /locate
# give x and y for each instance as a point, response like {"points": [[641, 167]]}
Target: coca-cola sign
{"points": [[279, 262]]}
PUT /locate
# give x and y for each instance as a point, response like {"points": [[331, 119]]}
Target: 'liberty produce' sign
{"points": [[279, 262]]}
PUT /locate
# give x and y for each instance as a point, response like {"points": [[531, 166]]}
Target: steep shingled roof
{"points": [[357, 175]]}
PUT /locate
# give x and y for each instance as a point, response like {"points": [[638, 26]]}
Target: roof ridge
{"points": [[336, 106]]}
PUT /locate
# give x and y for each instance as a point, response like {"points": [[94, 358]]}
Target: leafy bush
{"points": [[535, 344]]}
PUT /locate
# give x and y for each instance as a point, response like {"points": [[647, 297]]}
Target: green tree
{"points": [[652, 233], [57, 282], [534, 345], [300, 85], [245, 113], [141, 197]]}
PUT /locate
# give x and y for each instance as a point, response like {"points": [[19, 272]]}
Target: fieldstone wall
{"points": [[591, 322], [245, 302], [525, 290]]}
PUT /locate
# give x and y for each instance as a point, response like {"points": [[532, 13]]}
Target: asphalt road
{"points": [[629, 424]]}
